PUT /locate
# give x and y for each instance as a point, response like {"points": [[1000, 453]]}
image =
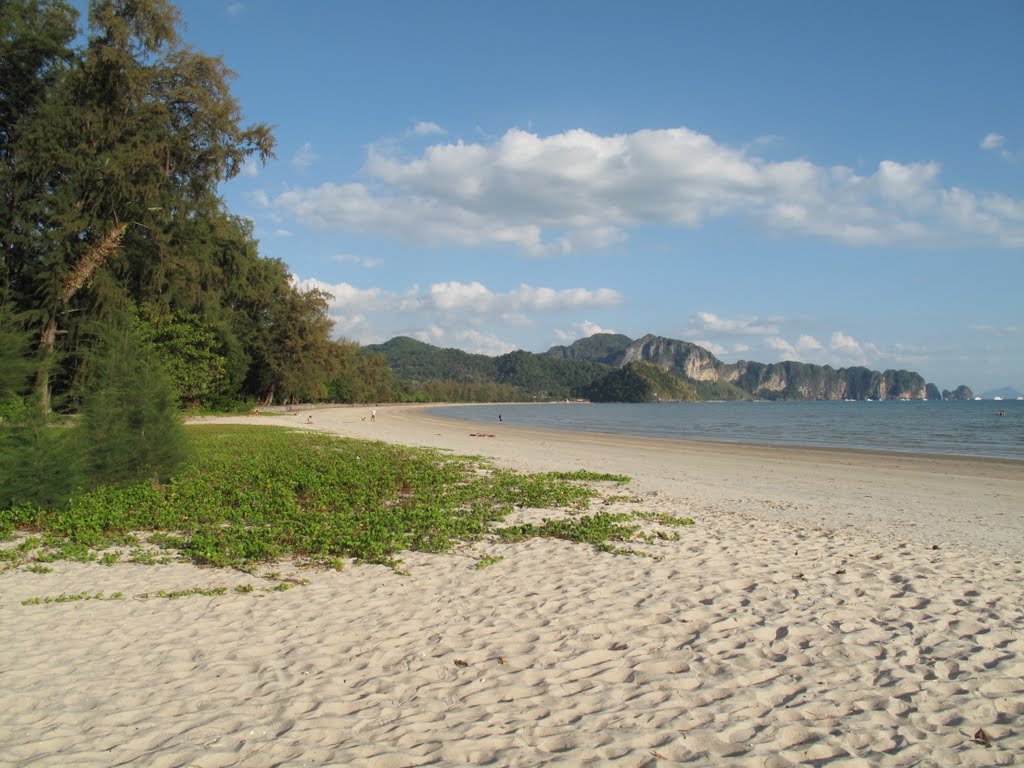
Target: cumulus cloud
{"points": [[525, 298], [840, 342], [250, 168], [455, 295], [847, 350], [805, 349], [344, 295], [456, 312], [579, 190], [582, 330], [711, 346], [305, 156], [482, 343], [425, 128], [708, 322], [993, 141], [786, 350], [808, 344], [430, 334]]}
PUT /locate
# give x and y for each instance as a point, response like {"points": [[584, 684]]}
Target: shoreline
{"points": [[957, 501], [794, 448], [822, 610], [1012, 465], [1019, 460]]}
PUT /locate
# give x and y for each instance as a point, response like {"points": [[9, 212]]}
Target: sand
{"points": [[827, 608]]}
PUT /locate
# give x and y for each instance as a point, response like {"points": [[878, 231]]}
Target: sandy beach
{"points": [[828, 607]]}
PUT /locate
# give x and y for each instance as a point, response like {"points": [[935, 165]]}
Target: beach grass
{"points": [[258, 494]]}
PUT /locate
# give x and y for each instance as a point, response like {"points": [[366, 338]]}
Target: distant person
{"points": [[373, 415], [309, 419], [499, 417]]}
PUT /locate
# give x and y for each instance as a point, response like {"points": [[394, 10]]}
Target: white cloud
{"points": [[579, 190], [711, 346], [235, 9], [425, 128], [739, 349], [482, 343], [708, 322], [847, 350], [525, 298], [430, 335], [806, 348], [348, 326], [786, 350], [348, 297], [582, 330], [305, 156], [282, 233], [806, 344], [840, 342], [589, 329], [455, 295], [992, 141], [250, 169], [447, 309]]}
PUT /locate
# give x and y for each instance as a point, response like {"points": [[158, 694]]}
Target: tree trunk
{"points": [[91, 260], [46, 343]]}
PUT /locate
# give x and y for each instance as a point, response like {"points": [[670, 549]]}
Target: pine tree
{"points": [[131, 425]]}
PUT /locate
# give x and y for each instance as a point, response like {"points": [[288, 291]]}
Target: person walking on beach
{"points": [[373, 415], [499, 417]]}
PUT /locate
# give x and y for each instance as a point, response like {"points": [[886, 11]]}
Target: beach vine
{"points": [[254, 495]]}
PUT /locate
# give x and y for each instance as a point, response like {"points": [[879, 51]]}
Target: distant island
{"points": [[615, 368], [1003, 393]]}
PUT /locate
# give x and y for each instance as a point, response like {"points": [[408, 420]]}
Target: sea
{"points": [[954, 428]]}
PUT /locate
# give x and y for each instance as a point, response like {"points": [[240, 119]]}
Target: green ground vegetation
{"points": [[248, 495]]}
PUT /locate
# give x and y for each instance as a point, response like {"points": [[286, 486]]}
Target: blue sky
{"points": [[836, 183]]}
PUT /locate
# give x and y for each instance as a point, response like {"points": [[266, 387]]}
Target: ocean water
{"points": [[970, 428]]}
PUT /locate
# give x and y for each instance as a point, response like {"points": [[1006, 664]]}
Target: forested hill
{"points": [[451, 374], [602, 368], [607, 348], [413, 360]]}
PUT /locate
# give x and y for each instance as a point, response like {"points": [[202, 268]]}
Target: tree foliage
{"points": [[113, 148], [640, 382], [130, 423]]}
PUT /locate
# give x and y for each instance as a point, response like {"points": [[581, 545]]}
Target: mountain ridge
{"points": [[580, 368]]}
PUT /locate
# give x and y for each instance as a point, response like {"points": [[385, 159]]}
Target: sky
{"points": [[835, 183]]}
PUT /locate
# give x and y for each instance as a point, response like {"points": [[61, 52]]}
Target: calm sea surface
{"points": [[953, 428]]}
